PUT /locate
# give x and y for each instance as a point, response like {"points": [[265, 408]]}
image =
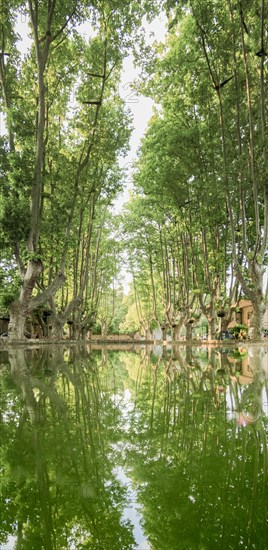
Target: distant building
{"points": [[244, 314]]}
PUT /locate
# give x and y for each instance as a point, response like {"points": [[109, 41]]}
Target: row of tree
{"points": [[196, 226], [66, 126]]}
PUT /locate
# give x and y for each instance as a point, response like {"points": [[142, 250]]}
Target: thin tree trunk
{"points": [[189, 331]]}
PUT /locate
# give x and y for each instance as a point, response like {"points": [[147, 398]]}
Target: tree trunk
{"points": [[224, 324], [57, 328], [84, 332], [177, 331], [188, 327], [104, 329], [256, 295], [42, 324], [211, 328], [17, 322], [77, 331], [20, 308], [256, 325], [255, 331]]}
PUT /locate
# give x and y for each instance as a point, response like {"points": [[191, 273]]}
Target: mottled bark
{"points": [[177, 330], [209, 312], [211, 327], [148, 334], [20, 308], [57, 327], [189, 330]]}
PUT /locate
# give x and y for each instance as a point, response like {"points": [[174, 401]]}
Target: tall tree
{"points": [[204, 148], [50, 146]]}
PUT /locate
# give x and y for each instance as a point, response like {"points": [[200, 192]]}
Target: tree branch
{"points": [[246, 289], [48, 293], [63, 27]]}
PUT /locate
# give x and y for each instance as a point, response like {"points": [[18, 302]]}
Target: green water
{"points": [[147, 449]]}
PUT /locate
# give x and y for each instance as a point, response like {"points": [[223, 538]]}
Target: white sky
{"points": [[141, 107]]}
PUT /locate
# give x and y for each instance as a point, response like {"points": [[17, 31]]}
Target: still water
{"points": [[141, 449]]}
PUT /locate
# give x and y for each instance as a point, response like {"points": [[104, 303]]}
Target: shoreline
{"points": [[104, 342]]}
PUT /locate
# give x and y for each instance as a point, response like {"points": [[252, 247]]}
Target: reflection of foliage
{"points": [[186, 460], [57, 477], [237, 354], [65, 427]]}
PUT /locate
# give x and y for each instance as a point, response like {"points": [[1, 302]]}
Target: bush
{"points": [[239, 331]]}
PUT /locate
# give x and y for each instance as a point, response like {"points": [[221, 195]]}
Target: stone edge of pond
{"points": [[30, 343]]}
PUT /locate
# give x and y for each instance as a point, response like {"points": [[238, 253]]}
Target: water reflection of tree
{"points": [[58, 424], [201, 479]]}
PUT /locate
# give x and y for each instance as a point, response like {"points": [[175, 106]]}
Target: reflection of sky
{"points": [[126, 406], [229, 403], [265, 401], [11, 543], [132, 512]]}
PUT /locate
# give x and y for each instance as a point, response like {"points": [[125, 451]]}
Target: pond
{"points": [[150, 448]]}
